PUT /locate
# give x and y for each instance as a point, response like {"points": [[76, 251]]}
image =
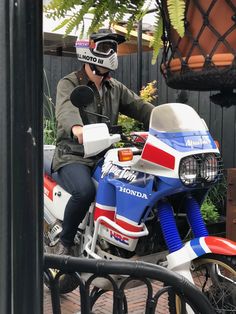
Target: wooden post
{"points": [[231, 204]]}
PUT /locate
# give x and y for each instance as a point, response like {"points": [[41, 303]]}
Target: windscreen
{"points": [[175, 117]]}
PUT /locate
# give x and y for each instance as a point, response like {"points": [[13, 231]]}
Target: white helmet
{"points": [[100, 49]]}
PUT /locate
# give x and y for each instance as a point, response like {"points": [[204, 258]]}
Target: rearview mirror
{"points": [[81, 96]]}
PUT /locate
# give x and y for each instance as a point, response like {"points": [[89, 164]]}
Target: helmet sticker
{"points": [[82, 44]]}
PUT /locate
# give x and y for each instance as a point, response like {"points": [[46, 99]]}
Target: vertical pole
{"points": [[140, 64], [5, 171], [21, 204]]}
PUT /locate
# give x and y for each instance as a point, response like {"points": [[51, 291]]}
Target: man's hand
{"points": [[77, 131]]}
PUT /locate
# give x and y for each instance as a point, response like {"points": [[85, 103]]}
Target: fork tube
{"points": [[195, 219], [168, 226]]}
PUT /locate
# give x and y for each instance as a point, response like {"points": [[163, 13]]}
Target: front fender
{"points": [[211, 244], [198, 247]]}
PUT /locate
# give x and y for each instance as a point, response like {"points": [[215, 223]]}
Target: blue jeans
{"points": [[76, 179]]}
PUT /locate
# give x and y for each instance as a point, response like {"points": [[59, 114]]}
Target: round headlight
{"points": [[209, 168], [188, 170]]}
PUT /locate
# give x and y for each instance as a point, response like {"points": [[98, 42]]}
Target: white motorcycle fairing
{"points": [[96, 138]]}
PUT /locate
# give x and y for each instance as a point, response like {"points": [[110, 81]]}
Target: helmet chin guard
{"points": [[96, 71]]}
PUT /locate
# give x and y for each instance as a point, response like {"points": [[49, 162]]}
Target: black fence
{"points": [[172, 284], [221, 121]]}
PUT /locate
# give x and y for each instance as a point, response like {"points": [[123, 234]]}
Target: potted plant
{"points": [[213, 208], [204, 58], [215, 223]]}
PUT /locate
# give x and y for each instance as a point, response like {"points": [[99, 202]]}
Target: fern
{"points": [[113, 12], [78, 17], [58, 8], [140, 12], [136, 15], [65, 22], [118, 16], [176, 9], [156, 43], [100, 15]]}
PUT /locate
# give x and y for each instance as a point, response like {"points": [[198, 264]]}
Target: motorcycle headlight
{"points": [[188, 170], [209, 168], [200, 169]]}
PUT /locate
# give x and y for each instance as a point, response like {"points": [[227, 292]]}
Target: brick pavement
{"points": [[136, 297]]}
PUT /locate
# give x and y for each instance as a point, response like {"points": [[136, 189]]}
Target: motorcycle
{"points": [[149, 194]]}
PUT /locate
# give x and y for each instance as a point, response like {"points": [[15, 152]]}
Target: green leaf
{"points": [[61, 25], [176, 9], [209, 211], [156, 43]]}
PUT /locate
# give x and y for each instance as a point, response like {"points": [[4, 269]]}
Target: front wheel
{"points": [[66, 282], [215, 275]]}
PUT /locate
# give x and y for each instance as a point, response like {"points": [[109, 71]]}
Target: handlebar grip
{"points": [[137, 152], [115, 129], [67, 150]]}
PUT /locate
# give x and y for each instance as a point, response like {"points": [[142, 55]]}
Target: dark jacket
{"points": [[116, 98]]}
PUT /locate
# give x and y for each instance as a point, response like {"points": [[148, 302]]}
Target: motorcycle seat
{"points": [[47, 163]]}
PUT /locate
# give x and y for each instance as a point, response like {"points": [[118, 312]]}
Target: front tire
{"points": [[215, 275], [66, 282]]}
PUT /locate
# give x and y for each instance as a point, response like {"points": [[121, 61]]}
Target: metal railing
{"points": [[173, 284]]}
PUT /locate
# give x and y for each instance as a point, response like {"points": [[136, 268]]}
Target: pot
{"points": [[205, 58]]}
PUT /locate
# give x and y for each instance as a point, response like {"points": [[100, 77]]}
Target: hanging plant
{"points": [[205, 57]]}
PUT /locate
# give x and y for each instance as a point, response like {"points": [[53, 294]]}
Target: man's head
{"points": [[100, 50]]}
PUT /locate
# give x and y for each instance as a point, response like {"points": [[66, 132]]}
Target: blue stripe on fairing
{"points": [[96, 173], [196, 246], [176, 134], [179, 140]]}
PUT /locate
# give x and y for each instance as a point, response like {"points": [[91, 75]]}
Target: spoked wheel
{"points": [[215, 275], [66, 282]]}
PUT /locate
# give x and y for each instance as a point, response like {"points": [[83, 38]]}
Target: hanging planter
{"points": [[205, 57]]}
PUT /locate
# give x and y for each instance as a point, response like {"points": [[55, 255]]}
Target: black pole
{"points": [[139, 65], [5, 171], [21, 203]]}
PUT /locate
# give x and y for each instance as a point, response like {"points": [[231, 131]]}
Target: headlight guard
{"points": [[200, 169]]}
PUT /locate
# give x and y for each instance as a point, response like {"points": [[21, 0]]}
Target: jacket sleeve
{"points": [[134, 107], [67, 114]]}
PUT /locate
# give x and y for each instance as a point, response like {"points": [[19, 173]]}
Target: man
{"points": [[99, 55]]}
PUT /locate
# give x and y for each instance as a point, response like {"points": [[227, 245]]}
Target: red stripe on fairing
{"points": [[98, 212], [101, 212], [128, 226], [49, 185], [221, 245], [158, 156]]}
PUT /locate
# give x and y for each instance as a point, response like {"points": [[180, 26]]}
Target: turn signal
{"points": [[125, 154], [217, 144]]}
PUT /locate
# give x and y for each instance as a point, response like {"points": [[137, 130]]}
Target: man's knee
{"points": [[85, 195]]}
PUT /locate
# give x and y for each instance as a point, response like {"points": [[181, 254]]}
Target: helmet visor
{"points": [[105, 47]]}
